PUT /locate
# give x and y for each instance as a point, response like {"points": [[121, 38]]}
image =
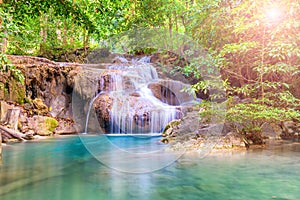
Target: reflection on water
{"points": [[64, 169]]}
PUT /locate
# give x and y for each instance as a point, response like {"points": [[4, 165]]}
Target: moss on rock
{"points": [[51, 123], [12, 90]]}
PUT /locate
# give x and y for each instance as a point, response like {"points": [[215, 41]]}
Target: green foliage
{"points": [[251, 116], [257, 54], [8, 27], [248, 51]]}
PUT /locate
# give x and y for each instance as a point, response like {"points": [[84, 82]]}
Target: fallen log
{"points": [[10, 133]]}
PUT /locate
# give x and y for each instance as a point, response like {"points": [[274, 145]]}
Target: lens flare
{"points": [[274, 14]]}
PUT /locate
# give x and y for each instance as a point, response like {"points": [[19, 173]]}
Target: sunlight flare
{"points": [[274, 14]]}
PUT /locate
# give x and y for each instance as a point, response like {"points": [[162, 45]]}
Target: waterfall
{"points": [[123, 101]]}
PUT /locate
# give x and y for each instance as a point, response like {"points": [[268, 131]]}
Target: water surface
{"points": [[62, 168]]}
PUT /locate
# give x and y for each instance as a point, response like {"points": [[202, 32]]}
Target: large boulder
{"points": [[42, 125], [170, 92]]}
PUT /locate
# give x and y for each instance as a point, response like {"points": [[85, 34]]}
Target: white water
{"points": [[131, 114]]}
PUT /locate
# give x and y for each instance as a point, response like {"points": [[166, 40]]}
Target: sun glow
{"points": [[274, 14]]}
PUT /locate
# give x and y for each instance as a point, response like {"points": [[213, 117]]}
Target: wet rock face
{"points": [[164, 94], [102, 106], [48, 81]]}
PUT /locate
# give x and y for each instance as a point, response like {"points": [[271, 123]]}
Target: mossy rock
{"points": [[44, 126], [51, 123], [170, 126], [14, 91]]}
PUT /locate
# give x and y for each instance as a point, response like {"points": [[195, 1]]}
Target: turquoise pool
{"points": [[62, 168]]}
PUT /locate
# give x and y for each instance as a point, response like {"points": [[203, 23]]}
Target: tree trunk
{"points": [[65, 33], [43, 33], [176, 22], [84, 35], [133, 8], [4, 43], [12, 118], [4, 39], [170, 26], [85, 39], [1, 42]]}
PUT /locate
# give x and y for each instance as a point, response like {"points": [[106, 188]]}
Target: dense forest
{"points": [[254, 44]]}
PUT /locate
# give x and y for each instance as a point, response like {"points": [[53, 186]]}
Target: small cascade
{"points": [[139, 69], [125, 104], [143, 114]]}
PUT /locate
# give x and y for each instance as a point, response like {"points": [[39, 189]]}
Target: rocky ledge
{"points": [[188, 134], [42, 105]]}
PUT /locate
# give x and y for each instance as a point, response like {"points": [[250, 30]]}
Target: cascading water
{"points": [[124, 103]]}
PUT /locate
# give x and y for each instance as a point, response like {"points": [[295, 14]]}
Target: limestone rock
{"points": [[43, 126], [170, 92], [4, 107], [271, 131], [40, 106], [12, 118], [171, 127], [103, 106], [65, 127], [234, 140], [29, 135], [289, 128]]}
